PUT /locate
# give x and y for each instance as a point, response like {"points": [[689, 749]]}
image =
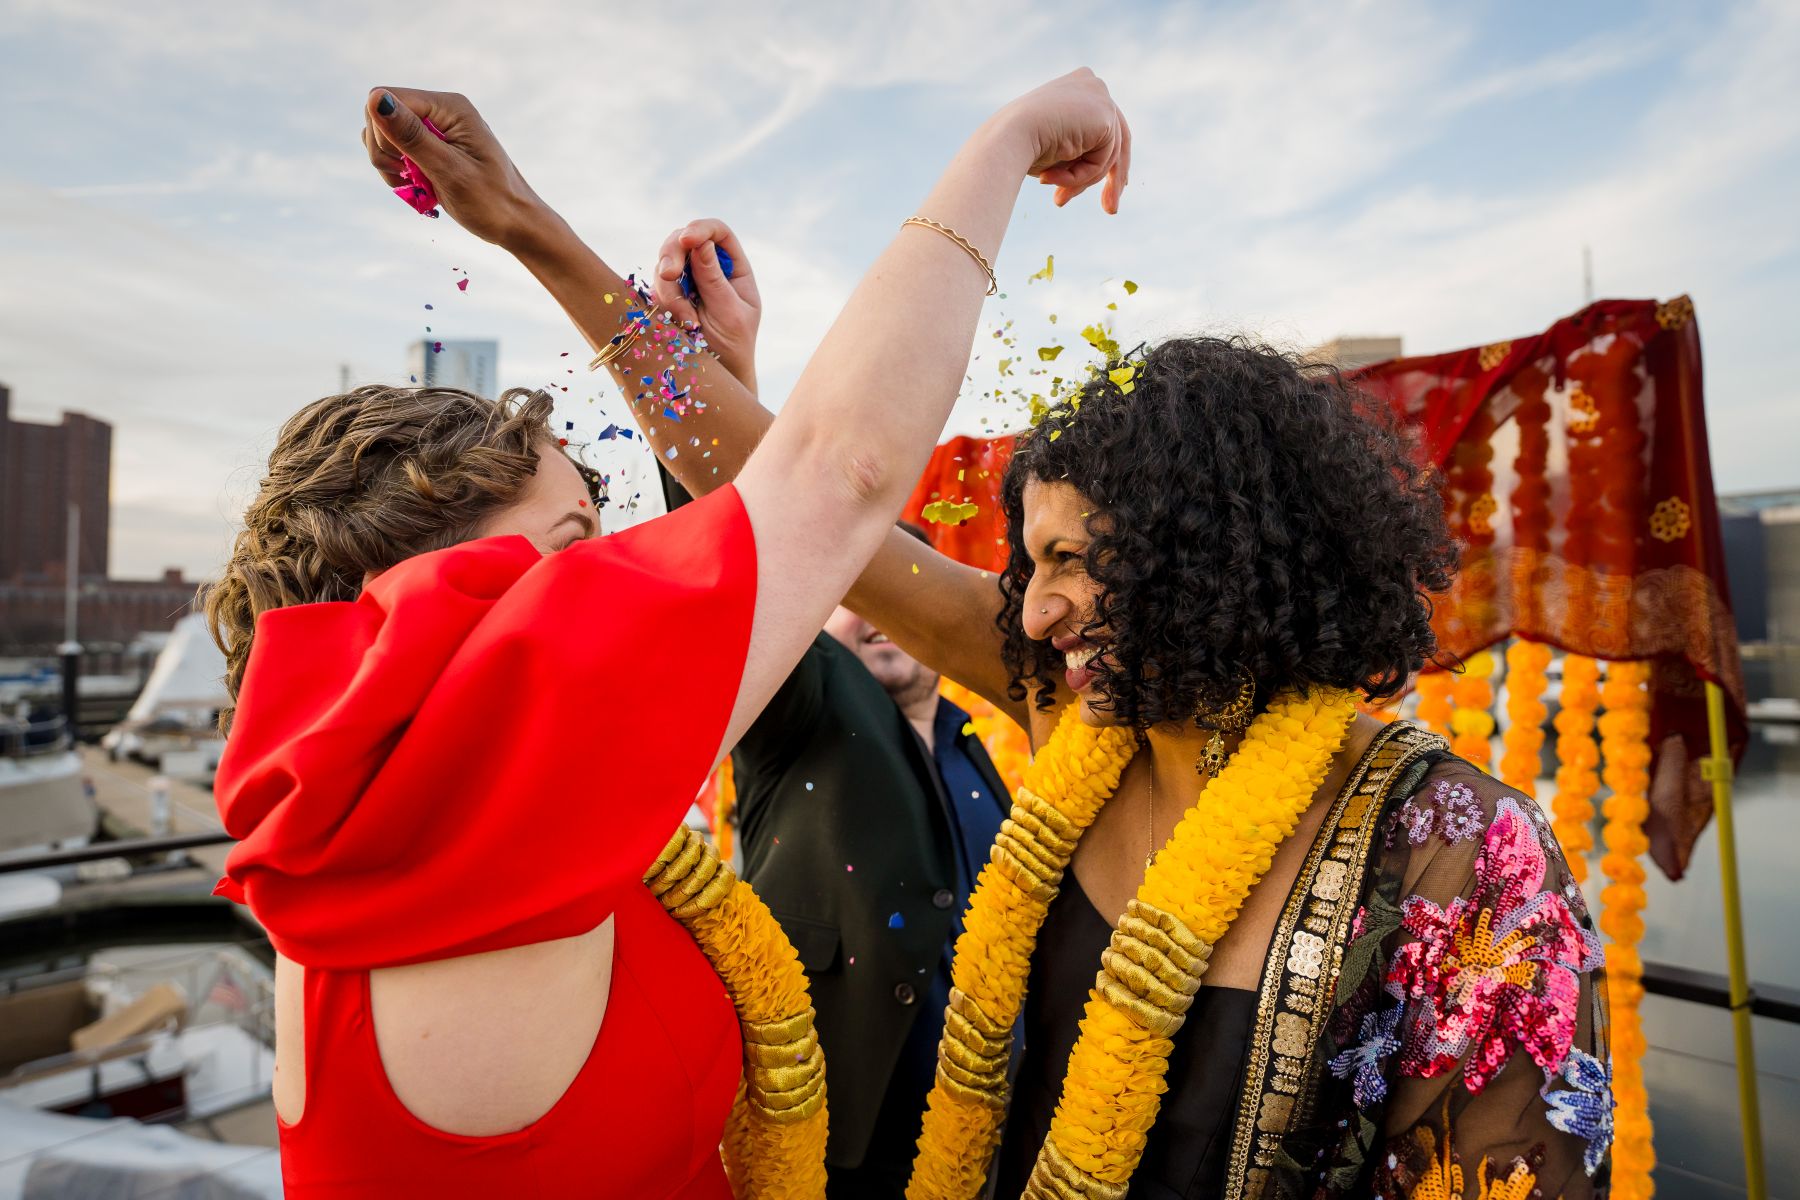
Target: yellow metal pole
{"points": [[1717, 769]]}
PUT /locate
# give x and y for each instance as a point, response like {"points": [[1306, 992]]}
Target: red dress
{"points": [[486, 750]]}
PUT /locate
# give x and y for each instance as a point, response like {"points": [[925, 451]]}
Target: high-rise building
{"points": [[472, 365], [43, 469]]}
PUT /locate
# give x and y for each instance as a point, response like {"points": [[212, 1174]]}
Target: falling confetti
{"points": [[1048, 273], [1048, 353], [948, 512], [1130, 288], [462, 285], [896, 921]]}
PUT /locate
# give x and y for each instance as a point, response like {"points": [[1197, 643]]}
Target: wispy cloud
{"points": [[192, 247]]}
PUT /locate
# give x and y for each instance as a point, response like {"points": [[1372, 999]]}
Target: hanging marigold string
{"points": [[1472, 724], [1625, 745], [1578, 762], [1526, 679], [1530, 499], [1435, 706]]}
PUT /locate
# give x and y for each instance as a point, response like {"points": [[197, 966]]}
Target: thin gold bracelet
{"points": [[960, 240], [617, 346]]}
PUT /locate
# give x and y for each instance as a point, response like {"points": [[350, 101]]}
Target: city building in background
{"points": [[1762, 558], [44, 469], [473, 365]]}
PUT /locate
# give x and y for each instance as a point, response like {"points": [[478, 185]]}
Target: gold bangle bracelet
{"points": [[960, 240], [618, 346]]}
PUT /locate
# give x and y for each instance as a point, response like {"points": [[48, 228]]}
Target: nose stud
{"points": [[1042, 611]]}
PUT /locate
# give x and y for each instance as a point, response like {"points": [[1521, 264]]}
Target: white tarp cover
{"points": [[44, 1154], [189, 676]]}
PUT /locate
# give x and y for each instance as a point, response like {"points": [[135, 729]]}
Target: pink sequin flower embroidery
{"points": [[1498, 970], [1453, 813]]}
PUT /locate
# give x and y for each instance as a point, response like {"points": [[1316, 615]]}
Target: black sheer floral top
{"points": [[1431, 1020]]}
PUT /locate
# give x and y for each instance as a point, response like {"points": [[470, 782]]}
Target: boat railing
{"points": [[21, 739]]}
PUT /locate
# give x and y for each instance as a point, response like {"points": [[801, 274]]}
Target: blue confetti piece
{"points": [[670, 453], [672, 415], [687, 271], [414, 378], [627, 434], [428, 308], [896, 922]]}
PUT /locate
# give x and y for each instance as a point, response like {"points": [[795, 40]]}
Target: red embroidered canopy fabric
{"points": [[1577, 477], [966, 469]]}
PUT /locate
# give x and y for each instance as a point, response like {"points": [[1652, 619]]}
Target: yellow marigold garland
{"points": [[774, 1146], [1152, 968], [1523, 742], [1221, 847], [1471, 725], [1578, 762], [1625, 743], [1060, 794], [1435, 706]]}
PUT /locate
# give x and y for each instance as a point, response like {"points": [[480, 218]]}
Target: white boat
{"points": [[43, 802], [173, 724]]}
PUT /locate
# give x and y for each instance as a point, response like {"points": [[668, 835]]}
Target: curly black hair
{"points": [[1248, 513]]}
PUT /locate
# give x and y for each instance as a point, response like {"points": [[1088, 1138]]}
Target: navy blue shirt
{"points": [[975, 814], [975, 811]]}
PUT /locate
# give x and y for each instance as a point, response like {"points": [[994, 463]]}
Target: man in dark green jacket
{"points": [[865, 809]]}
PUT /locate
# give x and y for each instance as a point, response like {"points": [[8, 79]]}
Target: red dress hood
{"points": [[488, 743]]}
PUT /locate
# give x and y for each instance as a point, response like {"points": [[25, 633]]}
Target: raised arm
{"points": [[936, 609], [824, 487]]}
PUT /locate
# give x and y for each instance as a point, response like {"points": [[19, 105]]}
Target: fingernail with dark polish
{"points": [[386, 106]]}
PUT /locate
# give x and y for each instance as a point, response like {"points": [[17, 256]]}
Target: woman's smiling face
{"points": [[1061, 597]]}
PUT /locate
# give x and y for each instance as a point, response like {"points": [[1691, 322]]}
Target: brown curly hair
{"points": [[361, 481]]}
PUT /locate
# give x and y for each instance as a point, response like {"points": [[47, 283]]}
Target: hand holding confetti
{"points": [[726, 308], [434, 148]]}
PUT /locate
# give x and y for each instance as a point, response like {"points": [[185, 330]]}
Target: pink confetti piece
{"points": [[417, 190]]}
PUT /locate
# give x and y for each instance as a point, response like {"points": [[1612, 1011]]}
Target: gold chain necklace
{"points": [[1150, 858]]}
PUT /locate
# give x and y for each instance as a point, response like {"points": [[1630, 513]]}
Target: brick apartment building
{"points": [[43, 469]]}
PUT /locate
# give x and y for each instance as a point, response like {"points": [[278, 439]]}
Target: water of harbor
{"points": [[1689, 1070]]}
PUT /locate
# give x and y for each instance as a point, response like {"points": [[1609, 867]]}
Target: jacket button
{"points": [[942, 898], [903, 992]]}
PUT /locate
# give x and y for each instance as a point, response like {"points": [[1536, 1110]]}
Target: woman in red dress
{"points": [[466, 725]]}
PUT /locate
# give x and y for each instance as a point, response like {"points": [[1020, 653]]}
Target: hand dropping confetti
{"points": [[417, 191]]}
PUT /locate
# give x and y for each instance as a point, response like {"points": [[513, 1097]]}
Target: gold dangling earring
{"points": [[1233, 718]]}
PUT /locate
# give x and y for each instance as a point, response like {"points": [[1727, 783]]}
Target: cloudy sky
{"points": [[192, 246]]}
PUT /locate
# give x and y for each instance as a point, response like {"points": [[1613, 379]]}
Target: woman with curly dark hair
{"points": [[1215, 552]]}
